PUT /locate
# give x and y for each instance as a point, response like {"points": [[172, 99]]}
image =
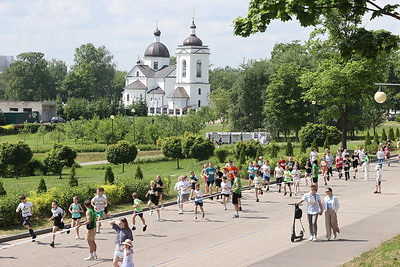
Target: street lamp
{"points": [[112, 117], [380, 96], [134, 127], [313, 103], [176, 121]]}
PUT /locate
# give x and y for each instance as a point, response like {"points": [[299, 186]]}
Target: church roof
{"points": [[193, 40], [157, 49], [156, 90], [179, 92], [161, 73], [136, 85]]}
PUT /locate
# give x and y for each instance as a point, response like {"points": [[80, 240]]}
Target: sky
{"points": [[125, 27]]}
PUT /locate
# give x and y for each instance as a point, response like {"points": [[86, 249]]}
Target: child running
{"points": [[99, 203], [137, 211], [339, 164], [198, 201], [236, 194], [153, 200], [193, 181], [58, 217], [347, 164], [258, 187], [75, 209], [266, 171], [26, 209], [288, 180], [226, 190], [296, 178], [278, 173]]}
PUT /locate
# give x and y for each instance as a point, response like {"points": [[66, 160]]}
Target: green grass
{"points": [[386, 254]]}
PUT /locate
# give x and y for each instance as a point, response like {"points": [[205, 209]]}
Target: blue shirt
{"points": [[210, 173]]}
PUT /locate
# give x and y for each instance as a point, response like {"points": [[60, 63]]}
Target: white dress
{"points": [[128, 259]]}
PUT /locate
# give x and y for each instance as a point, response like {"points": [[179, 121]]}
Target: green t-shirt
{"points": [[237, 183], [93, 217], [288, 176], [315, 168], [138, 202]]}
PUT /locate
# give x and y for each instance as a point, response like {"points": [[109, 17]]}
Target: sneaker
{"points": [[95, 257], [33, 237], [334, 236], [354, 177], [52, 244], [240, 209], [257, 200], [180, 211], [326, 183], [133, 228], [311, 238], [195, 218], [77, 238], [314, 239], [158, 218], [98, 232], [203, 215], [376, 192], [261, 192], [290, 194], [68, 231], [267, 189], [327, 178], [144, 227], [225, 208], [151, 213], [235, 216], [279, 190], [285, 194], [89, 258]]}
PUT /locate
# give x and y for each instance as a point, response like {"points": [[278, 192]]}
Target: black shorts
{"points": [[226, 195], [193, 186], [279, 180], [159, 190], [105, 209], [58, 223], [235, 198], [339, 169], [210, 183], [218, 182], [76, 218], [199, 203], [251, 177], [315, 180], [355, 165], [289, 183], [138, 213], [26, 220], [154, 199]]}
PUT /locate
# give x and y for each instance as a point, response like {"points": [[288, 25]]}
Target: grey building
{"points": [[45, 110], [5, 62]]}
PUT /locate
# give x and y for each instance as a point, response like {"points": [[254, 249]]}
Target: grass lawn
{"points": [[386, 254]]}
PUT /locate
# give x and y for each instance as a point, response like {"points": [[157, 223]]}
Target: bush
{"points": [[367, 141], [391, 134], [376, 138], [8, 129], [289, 148], [202, 149], [147, 147], [314, 145], [3, 192], [34, 167], [123, 152], [148, 159], [326, 144], [221, 154], [8, 216], [42, 186], [303, 147], [237, 150], [384, 136], [371, 149], [73, 181], [273, 150], [319, 132], [59, 157], [109, 176], [397, 133], [139, 173]]}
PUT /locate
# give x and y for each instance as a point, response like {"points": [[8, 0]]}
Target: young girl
{"points": [[278, 174], [226, 190], [153, 199], [198, 201], [296, 178], [288, 180], [75, 209], [58, 216], [308, 167], [258, 187], [266, 171], [193, 181], [128, 253], [339, 164], [159, 189], [378, 180], [324, 169]]}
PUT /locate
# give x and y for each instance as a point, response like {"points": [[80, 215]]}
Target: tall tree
{"points": [[223, 78], [58, 71], [220, 103]]}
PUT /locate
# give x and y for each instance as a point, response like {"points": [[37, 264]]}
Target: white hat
{"points": [[260, 157], [127, 242]]}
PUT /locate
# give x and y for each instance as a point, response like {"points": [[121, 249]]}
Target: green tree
{"points": [[318, 133], [187, 144], [42, 188], [193, 122], [303, 146], [3, 192], [58, 71], [384, 136], [60, 156], [273, 149], [172, 148], [367, 141], [76, 108], [289, 148], [221, 154], [75, 129], [140, 107], [41, 132], [15, 155], [372, 114], [122, 152], [391, 134], [139, 173], [326, 143], [376, 138], [220, 103], [202, 149], [261, 13], [73, 180], [397, 133], [314, 144], [223, 78], [109, 177]]}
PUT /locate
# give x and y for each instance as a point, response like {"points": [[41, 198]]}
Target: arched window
{"points": [[198, 103], [137, 74], [198, 69], [199, 91], [127, 97], [183, 68]]}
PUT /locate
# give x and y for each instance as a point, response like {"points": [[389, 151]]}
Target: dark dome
{"points": [[157, 32], [193, 40], [156, 49]]}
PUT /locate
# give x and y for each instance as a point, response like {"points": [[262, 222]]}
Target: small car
{"points": [[57, 120]]}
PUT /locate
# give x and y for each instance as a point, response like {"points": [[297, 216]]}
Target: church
{"points": [[170, 89]]}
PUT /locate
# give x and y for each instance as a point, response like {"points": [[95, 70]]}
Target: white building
{"points": [[5, 62], [170, 89]]}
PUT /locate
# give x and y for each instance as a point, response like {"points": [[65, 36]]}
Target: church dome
{"points": [[193, 40], [157, 49]]}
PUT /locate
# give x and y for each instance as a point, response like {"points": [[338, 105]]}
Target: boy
{"points": [[99, 203], [153, 199], [258, 187], [378, 180], [266, 171], [90, 223], [26, 208], [137, 211], [347, 163], [184, 192], [288, 181], [58, 215], [193, 181], [198, 201], [236, 194]]}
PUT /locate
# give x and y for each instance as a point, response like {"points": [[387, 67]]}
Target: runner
{"points": [[159, 189], [380, 155], [258, 186], [218, 181], [315, 172], [251, 171], [366, 166], [278, 174], [308, 168], [26, 209], [138, 211], [152, 195], [210, 172], [184, 192], [339, 164], [324, 168], [329, 162], [266, 171], [193, 181], [288, 181], [346, 167], [386, 150], [236, 194], [378, 189], [198, 201], [226, 190], [58, 217], [296, 178], [75, 209], [99, 202], [231, 168], [355, 160]]}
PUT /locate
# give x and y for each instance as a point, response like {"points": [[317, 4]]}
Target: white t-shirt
{"points": [[380, 154], [361, 154], [266, 170], [257, 182], [296, 175], [58, 212], [313, 155], [184, 187], [25, 208], [99, 202], [226, 187], [198, 195], [312, 201], [329, 160], [279, 172], [378, 175]]}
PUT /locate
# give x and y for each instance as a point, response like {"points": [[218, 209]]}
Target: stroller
{"points": [[298, 213]]}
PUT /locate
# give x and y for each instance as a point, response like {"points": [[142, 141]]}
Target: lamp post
{"points": [[176, 121], [112, 117], [380, 96], [134, 127], [313, 103]]}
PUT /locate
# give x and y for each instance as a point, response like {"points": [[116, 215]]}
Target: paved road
{"points": [[260, 237]]}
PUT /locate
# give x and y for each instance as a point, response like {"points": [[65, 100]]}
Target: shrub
{"points": [[148, 159], [34, 167], [42, 186], [237, 149], [73, 180], [59, 157], [8, 216], [273, 150], [187, 144], [303, 147], [367, 141], [139, 173], [109, 176], [326, 143], [148, 147], [289, 148], [202, 149], [8, 129], [3, 192], [314, 144], [384, 136], [397, 133], [221, 154], [319, 132], [391, 134], [123, 152], [371, 148], [15, 155], [260, 151], [376, 138]]}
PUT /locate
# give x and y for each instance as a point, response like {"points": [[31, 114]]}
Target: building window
{"points": [[127, 97], [198, 103], [27, 110], [199, 91], [198, 69], [137, 74], [183, 68], [13, 109], [155, 65]]}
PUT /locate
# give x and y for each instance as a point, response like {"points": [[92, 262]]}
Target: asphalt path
{"points": [[259, 237]]}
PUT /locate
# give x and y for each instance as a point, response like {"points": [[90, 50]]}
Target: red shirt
{"points": [[231, 170], [282, 163], [339, 162]]}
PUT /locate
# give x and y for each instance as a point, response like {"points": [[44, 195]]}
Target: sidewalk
{"points": [[260, 237]]}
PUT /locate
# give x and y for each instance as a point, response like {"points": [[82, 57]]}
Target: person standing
{"points": [[26, 209], [366, 166], [314, 208], [331, 207], [128, 253], [236, 194], [75, 209], [378, 189], [123, 233], [90, 223]]}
